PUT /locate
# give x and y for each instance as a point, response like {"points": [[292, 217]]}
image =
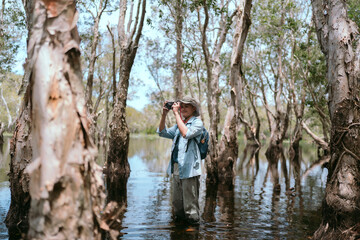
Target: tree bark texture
{"points": [[67, 192], [17, 219], [228, 147], [179, 19], [213, 69], [118, 169], [339, 40]]}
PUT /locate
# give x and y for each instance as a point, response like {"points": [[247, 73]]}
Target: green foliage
{"points": [[145, 121], [354, 11], [12, 30]]}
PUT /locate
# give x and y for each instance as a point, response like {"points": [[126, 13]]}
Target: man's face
{"points": [[187, 110]]}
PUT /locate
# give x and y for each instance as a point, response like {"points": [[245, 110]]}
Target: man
{"points": [[185, 157]]}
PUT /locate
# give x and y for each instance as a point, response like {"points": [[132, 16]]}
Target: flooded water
{"points": [[250, 210]]}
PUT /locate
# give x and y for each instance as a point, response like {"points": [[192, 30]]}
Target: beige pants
{"points": [[185, 197]]}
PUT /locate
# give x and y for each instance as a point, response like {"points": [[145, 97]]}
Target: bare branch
{"points": [[324, 145]]}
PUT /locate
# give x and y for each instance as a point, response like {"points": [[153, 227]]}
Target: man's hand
{"points": [[165, 110], [176, 107]]}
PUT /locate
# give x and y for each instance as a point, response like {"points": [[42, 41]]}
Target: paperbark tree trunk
{"points": [[67, 192], [279, 121], [113, 65], [228, 147], [179, 19], [118, 169], [17, 219], [213, 69], [339, 41], [298, 107]]}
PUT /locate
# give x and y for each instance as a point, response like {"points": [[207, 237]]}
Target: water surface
{"points": [[250, 210]]}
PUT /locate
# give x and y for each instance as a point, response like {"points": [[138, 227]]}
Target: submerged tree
{"points": [[118, 169], [228, 147], [339, 40], [65, 183], [212, 53]]}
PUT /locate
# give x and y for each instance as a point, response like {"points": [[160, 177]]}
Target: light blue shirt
{"points": [[189, 154]]}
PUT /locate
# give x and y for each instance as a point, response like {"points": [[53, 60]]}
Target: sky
{"points": [[139, 71]]}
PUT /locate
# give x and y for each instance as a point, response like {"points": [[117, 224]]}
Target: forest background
{"points": [[153, 76]]}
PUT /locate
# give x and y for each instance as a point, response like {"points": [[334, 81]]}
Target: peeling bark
{"points": [[17, 218], [228, 147], [339, 40], [67, 192]]}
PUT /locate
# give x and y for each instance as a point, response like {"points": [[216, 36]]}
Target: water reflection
{"points": [[249, 209]]}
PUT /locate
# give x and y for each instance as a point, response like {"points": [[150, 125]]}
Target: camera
{"points": [[168, 105]]}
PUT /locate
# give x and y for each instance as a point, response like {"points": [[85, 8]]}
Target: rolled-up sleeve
{"points": [[194, 129], [167, 132]]}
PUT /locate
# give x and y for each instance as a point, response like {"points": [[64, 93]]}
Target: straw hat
{"points": [[193, 102]]}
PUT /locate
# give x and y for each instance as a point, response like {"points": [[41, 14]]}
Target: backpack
{"points": [[204, 143]]}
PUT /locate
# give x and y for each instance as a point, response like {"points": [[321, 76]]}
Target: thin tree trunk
{"points": [[113, 65], [294, 149], [319, 141], [338, 36], [92, 61], [118, 169], [179, 19], [280, 122], [65, 183], [228, 147], [2, 130], [93, 57]]}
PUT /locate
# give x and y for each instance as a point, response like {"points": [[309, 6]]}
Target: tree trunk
{"points": [[228, 147], [113, 65], [17, 219], [210, 202], [338, 36], [2, 130], [213, 69], [280, 120], [118, 169], [179, 19], [65, 183]]}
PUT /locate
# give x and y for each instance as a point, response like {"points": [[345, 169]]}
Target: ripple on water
{"points": [[4, 207]]}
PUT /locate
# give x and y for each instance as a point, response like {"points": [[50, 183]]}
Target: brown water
{"points": [[251, 210]]}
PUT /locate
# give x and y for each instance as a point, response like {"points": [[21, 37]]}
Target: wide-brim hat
{"points": [[193, 102]]}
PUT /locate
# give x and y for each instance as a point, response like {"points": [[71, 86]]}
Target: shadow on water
{"points": [[250, 209]]}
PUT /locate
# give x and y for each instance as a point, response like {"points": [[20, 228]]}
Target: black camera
{"points": [[168, 105]]}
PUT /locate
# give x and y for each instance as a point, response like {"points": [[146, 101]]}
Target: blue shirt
{"points": [[188, 156]]}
